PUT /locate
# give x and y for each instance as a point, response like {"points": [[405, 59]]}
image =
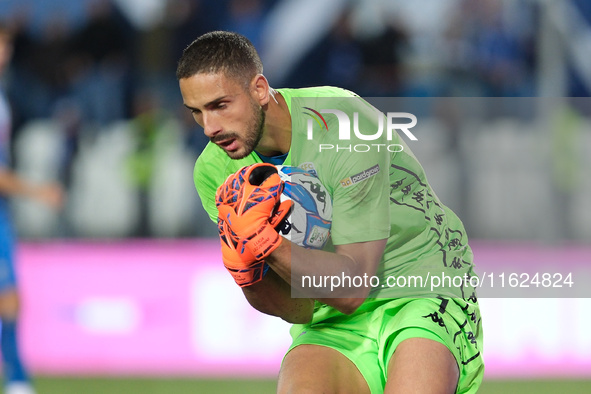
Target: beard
{"points": [[254, 133]]}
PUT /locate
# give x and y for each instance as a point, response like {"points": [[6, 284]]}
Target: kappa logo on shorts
{"points": [[437, 319], [363, 175]]}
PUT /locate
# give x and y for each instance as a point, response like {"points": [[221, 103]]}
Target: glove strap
{"points": [[263, 241], [249, 276]]}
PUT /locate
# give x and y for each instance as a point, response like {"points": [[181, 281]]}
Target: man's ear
{"points": [[260, 89]]}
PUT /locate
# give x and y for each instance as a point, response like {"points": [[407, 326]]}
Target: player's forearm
{"points": [[273, 296], [12, 185], [311, 271]]}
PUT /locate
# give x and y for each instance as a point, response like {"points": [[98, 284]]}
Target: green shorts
{"points": [[370, 336]]}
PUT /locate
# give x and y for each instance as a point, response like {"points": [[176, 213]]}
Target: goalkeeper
{"points": [[386, 222]]}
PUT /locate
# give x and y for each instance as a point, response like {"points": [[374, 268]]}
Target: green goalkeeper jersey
{"points": [[378, 188]]}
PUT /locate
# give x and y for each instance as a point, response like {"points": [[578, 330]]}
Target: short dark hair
{"points": [[221, 51]]}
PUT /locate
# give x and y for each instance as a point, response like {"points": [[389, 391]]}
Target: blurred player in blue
{"points": [[16, 378]]}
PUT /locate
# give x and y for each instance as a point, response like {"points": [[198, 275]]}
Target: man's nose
{"points": [[210, 126]]}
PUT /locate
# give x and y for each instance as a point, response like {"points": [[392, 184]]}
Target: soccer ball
{"points": [[309, 222]]}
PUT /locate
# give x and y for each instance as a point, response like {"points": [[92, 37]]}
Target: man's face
{"points": [[228, 113]]}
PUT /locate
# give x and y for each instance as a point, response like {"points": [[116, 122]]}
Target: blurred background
{"points": [[120, 283]]}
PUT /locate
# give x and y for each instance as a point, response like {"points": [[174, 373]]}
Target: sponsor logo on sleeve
{"points": [[363, 175]]}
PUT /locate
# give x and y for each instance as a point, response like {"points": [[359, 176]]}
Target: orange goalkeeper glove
{"points": [[243, 266], [248, 210]]}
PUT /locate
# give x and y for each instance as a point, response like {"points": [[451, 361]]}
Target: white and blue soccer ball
{"points": [[309, 222]]}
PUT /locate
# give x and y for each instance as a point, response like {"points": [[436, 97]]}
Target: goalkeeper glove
{"points": [[248, 210]]}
